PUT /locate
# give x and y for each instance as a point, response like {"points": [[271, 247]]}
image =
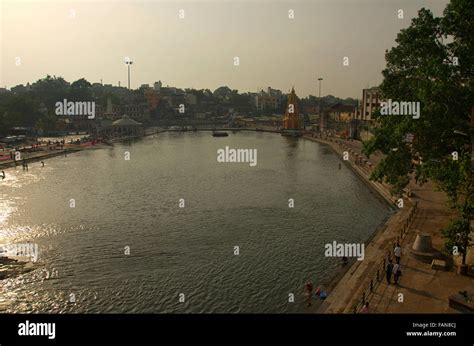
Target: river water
{"points": [[236, 246]]}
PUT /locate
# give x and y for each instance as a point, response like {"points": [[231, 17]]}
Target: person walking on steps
{"points": [[389, 271]]}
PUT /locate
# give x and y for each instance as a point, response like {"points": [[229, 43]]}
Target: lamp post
{"points": [[128, 62], [320, 113]]}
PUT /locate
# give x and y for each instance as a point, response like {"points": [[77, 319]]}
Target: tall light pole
{"points": [[319, 110], [128, 63]]}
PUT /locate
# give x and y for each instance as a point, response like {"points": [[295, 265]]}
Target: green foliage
{"points": [[457, 234], [431, 64]]}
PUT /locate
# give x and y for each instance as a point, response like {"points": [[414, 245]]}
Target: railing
{"points": [[380, 273]]}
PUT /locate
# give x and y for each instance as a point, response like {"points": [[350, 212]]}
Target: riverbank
{"points": [[46, 152], [424, 289], [345, 286]]}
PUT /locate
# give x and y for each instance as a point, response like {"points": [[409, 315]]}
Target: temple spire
{"points": [[291, 119]]}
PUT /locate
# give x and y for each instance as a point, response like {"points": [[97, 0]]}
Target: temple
{"points": [[291, 119]]}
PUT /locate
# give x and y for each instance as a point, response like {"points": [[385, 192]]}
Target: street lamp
{"points": [[320, 79], [128, 62], [319, 110]]}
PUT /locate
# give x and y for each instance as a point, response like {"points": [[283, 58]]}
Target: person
{"points": [[389, 271], [397, 251], [396, 273], [340, 166], [365, 308], [309, 291], [3, 175], [318, 291], [345, 260], [42, 163]]}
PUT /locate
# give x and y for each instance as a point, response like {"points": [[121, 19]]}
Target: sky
{"points": [[91, 39]]}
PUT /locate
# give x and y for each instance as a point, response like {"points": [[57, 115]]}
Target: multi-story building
{"points": [[371, 99], [139, 112], [271, 99], [275, 93]]}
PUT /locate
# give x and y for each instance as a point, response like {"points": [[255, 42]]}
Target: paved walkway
{"points": [[424, 290]]}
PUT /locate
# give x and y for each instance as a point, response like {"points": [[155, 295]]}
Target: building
{"points": [[125, 127], [152, 98], [275, 93], [371, 99], [338, 118], [271, 99], [340, 112], [157, 86], [110, 112], [140, 112]]}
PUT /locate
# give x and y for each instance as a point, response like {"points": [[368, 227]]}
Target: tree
{"points": [[223, 93], [17, 110], [80, 90], [433, 65], [51, 90]]}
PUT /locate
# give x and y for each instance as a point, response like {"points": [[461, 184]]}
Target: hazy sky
{"points": [[198, 51]]}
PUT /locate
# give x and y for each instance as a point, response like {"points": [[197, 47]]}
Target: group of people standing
{"points": [[394, 269]]}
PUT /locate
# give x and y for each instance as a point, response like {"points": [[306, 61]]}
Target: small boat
{"points": [[219, 134]]}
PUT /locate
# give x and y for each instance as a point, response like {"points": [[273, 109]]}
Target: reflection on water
{"points": [[134, 205]]}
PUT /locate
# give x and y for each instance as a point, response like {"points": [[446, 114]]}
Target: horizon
{"points": [[200, 52], [150, 85]]}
